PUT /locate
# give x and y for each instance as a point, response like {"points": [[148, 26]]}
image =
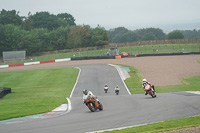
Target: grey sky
{"points": [[132, 14]]}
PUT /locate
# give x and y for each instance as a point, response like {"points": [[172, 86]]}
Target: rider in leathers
{"points": [[117, 88], [87, 93], [144, 83]]}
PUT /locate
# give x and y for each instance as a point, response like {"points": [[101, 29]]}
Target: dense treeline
{"points": [[46, 32], [122, 35], [42, 31]]}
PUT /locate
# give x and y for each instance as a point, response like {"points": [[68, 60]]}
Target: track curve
{"points": [[119, 111]]}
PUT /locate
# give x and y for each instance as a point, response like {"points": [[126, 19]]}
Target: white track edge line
{"points": [[121, 78], [76, 81], [120, 128]]}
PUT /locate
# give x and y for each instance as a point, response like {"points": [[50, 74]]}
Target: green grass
{"points": [[189, 84], [134, 83], [162, 48], [35, 91], [163, 126]]}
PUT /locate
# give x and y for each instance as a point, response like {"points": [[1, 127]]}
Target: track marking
{"points": [[120, 128], [76, 81], [194, 92], [120, 74]]}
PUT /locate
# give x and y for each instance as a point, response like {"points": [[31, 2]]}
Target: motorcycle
{"points": [[92, 104], [117, 92], [106, 89], [150, 90]]}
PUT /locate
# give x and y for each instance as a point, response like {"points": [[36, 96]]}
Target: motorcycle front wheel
{"points": [[91, 107], [100, 106]]}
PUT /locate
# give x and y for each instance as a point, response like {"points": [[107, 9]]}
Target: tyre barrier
{"points": [[92, 57], [4, 91]]}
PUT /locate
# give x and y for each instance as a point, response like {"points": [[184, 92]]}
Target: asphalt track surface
{"points": [[119, 111]]}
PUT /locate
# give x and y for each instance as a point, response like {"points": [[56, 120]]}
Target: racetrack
{"points": [[119, 111]]}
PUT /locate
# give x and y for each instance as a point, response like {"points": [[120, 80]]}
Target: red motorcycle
{"points": [[150, 90], [93, 104]]}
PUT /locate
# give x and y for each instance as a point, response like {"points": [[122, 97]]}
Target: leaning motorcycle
{"points": [[92, 104], [150, 90]]}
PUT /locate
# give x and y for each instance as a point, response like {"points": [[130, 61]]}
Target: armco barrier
{"points": [[4, 91], [168, 54]]}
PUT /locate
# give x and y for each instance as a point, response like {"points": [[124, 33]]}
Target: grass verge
{"points": [[35, 91], [134, 83], [169, 125]]}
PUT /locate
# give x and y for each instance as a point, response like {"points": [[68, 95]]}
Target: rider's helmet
{"points": [[106, 85], [144, 80], [85, 92], [117, 86]]}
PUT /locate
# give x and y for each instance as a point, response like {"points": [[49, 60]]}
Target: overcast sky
{"points": [[132, 14]]}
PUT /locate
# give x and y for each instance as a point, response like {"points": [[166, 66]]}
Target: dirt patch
{"points": [[159, 70]]}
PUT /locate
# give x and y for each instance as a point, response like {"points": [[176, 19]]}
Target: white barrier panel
{"points": [[4, 66], [61, 60], [31, 63]]}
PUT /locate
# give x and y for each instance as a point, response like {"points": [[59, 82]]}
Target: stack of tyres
{"points": [[4, 91]]}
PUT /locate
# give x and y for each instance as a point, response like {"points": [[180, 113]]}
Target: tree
{"points": [[10, 17], [58, 38], [66, 18], [191, 33], [11, 37], [28, 23], [150, 34], [45, 20], [175, 35], [121, 34], [99, 36], [79, 36]]}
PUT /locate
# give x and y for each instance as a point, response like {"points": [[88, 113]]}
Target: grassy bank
{"points": [[35, 91], [162, 48], [134, 83], [163, 126]]}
